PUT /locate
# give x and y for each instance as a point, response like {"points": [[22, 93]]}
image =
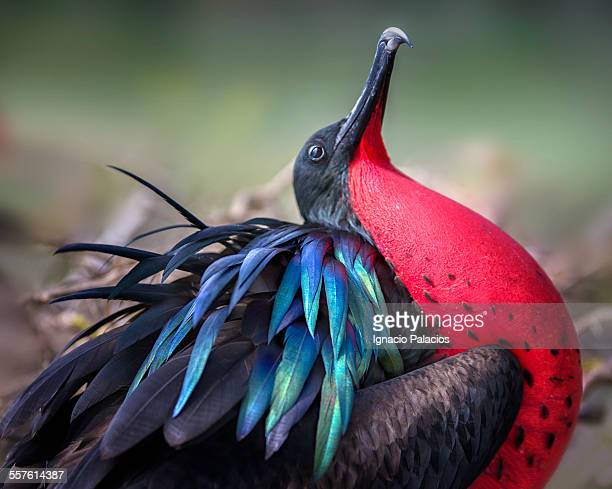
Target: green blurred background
{"points": [[207, 98], [211, 97]]}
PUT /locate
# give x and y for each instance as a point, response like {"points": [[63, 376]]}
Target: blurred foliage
{"points": [[214, 96]]}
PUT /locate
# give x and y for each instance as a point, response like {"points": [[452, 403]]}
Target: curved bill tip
{"points": [[394, 38]]}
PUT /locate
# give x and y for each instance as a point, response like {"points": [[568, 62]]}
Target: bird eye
{"points": [[316, 152]]}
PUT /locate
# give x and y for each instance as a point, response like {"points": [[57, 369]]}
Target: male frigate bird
{"points": [[249, 362]]}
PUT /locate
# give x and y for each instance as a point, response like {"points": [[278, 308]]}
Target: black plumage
{"points": [[78, 413]]}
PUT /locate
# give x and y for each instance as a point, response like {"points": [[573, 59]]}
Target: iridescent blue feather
{"points": [[259, 393], [313, 252], [201, 349], [211, 289], [295, 312], [253, 264], [336, 295], [329, 424], [165, 333], [299, 354], [285, 294]]}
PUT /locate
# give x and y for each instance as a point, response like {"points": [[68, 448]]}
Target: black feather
{"points": [[140, 271], [256, 321], [218, 234], [254, 263], [108, 319], [116, 375], [147, 408], [116, 250], [267, 221], [173, 203], [222, 386], [150, 321], [146, 234], [145, 293], [90, 472], [58, 382]]}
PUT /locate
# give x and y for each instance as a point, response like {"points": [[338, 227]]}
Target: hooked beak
{"points": [[376, 87]]}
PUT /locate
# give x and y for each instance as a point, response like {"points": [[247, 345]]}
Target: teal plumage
{"points": [[360, 316], [352, 351], [285, 295], [259, 393], [173, 341], [254, 263], [295, 312], [277, 436], [329, 425], [166, 331], [210, 289], [366, 261], [313, 253], [343, 366], [201, 349], [311, 333], [299, 354], [336, 294], [365, 280], [346, 247]]}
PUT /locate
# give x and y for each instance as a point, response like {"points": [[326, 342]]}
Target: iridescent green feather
{"points": [[299, 354], [329, 424], [336, 295], [166, 332], [313, 254]]}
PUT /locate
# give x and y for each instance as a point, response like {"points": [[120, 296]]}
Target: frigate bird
{"points": [[245, 357]]}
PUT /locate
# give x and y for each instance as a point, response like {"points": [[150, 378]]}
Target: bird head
{"points": [[321, 171]]}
